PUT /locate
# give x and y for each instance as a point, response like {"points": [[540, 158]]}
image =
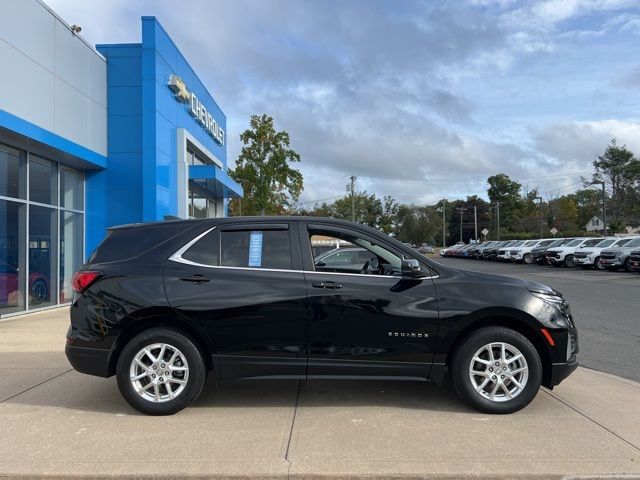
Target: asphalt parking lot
{"points": [[605, 306]]}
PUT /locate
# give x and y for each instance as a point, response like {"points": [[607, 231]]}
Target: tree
{"points": [[263, 169], [620, 169], [389, 217], [368, 208], [507, 192], [415, 225]]}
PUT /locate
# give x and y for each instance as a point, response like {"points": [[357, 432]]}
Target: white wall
{"points": [[50, 77]]}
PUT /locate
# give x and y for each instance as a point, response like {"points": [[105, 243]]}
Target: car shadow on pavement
{"points": [[45, 379], [334, 393]]}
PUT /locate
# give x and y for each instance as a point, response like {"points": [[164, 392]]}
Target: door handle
{"points": [[197, 278], [327, 285]]}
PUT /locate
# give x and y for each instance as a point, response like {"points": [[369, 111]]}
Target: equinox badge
{"points": [[409, 334]]}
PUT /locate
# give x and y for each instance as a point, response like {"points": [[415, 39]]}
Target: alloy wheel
{"points": [[159, 372], [39, 292], [499, 372], [528, 259], [569, 262], [599, 265]]}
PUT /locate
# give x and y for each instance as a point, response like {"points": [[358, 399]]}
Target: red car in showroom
{"points": [[10, 285]]}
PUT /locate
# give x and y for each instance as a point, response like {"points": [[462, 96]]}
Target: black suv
{"points": [[162, 305]]}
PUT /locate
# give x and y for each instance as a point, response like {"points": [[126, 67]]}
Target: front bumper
{"points": [[560, 371], [611, 262], [584, 261]]}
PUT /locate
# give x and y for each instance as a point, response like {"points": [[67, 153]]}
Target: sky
{"points": [[421, 100]]}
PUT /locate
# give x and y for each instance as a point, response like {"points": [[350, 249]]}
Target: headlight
{"points": [[552, 298], [563, 319]]}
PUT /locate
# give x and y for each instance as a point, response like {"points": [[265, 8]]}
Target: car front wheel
{"points": [[496, 370], [568, 261], [160, 372], [528, 259]]}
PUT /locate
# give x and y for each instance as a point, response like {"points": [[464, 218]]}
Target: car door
{"points": [[242, 284], [367, 324]]}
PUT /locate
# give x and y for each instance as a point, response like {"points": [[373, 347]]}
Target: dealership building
{"points": [[92, 137]]}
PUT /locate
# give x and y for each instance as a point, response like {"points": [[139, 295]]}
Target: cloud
{"points": [[420, 99]]}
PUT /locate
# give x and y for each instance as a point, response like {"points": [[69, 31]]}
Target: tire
{"points": [[460, 370], [627, 265], [598, 264], [154, 399], [568, 261], [527, 259], [39, 292]]}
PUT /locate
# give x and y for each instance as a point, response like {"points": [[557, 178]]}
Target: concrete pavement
{"points": [[57, 422]]}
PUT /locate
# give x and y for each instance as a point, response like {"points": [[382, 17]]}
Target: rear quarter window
{"points": [[256, 249], [122, 244]]}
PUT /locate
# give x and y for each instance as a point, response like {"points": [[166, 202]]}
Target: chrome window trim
{"points": [[177, 257]]}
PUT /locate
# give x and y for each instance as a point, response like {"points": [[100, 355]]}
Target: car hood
{"points": [[490, 277]]}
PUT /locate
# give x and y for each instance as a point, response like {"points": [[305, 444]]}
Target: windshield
{"points": [[622, 241], [549, 243], [605, 243], [592, 243], [634, 243], [531, 244], [574, 243]]}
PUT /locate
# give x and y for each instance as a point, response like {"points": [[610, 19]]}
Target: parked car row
{"points": [[610, 253]]}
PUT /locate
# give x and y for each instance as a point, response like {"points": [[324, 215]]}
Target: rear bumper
{"points": [[560, 371], [92, 361]]}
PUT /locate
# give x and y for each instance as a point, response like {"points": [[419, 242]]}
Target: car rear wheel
{"points": [[569, 262], [496, 370], [160, 372], [528, 259], [39, 292]]}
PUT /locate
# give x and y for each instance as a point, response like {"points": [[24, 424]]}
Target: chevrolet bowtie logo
{"points": [[179, 88]]}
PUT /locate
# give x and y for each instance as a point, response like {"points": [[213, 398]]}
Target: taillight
{"points": [[83, 280]]}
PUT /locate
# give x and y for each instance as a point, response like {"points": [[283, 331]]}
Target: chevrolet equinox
{"points": [[163, 305]]}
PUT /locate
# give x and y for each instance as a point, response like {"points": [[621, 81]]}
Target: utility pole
{"points": [[444, 234], [498, 218], [353, 198], [475, 221], [604, 206], [540, 199], [461, 210]]}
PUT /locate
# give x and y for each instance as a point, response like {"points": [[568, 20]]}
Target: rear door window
{"points": [[256, 249]]}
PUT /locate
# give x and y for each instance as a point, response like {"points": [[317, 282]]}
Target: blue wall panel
{"points": [[141, 181]]}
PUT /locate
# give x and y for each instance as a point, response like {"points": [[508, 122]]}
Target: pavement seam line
{"points": [[36, 385], [293, 422], [578, 411]]}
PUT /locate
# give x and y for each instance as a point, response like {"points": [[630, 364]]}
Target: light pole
{"points": [[475, 221], [461, 210], [604, 207], [353, 198], [540, 199], [444, 234], [498, 218]]}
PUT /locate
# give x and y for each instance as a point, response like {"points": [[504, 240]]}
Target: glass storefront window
{"points": [[12, 174], [12, 258], [43, 227], [70, 251], [71, 188], [42, 181], [199, 206], [41, 247]]}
